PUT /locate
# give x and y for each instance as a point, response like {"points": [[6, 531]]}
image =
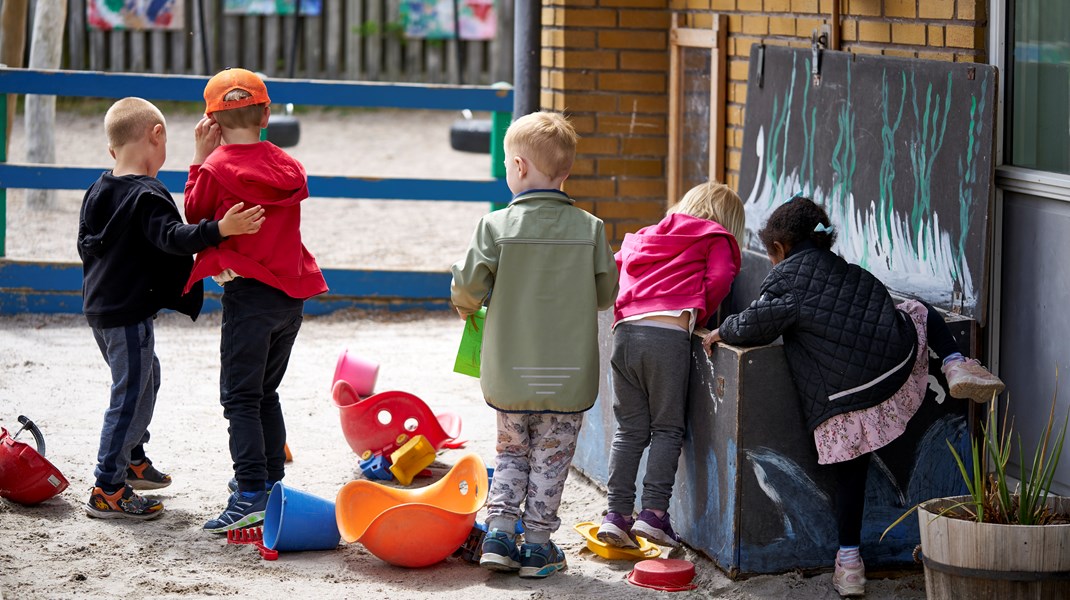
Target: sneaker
{"points": [[616, 530], [146, 477], [499, 552], [122, 504], [968, 379], [656, 529], [541, 560], [849, 581], [240, 512]]}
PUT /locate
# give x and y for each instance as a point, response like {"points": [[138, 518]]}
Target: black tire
{"points": [[470, 135], [284, 131]]}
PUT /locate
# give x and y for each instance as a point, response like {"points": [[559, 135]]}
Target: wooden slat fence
{"points": [[351, 40]]}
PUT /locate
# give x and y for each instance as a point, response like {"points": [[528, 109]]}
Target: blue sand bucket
{"points": [[295, 521]]}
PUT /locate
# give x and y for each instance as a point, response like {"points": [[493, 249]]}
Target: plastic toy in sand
{"points": [[26, 476], [409, 460], [418, 527], [357, 372], [296, 521], [589, 531], [666, 575], [382, 423], [253, 536]]}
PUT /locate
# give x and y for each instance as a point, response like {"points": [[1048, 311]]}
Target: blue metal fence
{"points": [[27, 286]]}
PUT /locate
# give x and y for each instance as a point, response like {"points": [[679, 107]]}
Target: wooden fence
{"points": [[350, 40]]}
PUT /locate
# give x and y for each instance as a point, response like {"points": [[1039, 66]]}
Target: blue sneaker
{"points": [[241, 512], [500, 552], [232, 485], [541, 560]]}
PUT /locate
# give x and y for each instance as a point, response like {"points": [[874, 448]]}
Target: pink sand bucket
{"points": [[357, 372]]}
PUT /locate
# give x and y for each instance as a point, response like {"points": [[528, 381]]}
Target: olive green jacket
{"points": [[551, 270]]}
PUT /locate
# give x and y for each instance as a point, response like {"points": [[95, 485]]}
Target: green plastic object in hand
{"points": [[471, 350]]}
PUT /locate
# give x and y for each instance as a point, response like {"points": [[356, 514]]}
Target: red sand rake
{"points": [[254, 536]]}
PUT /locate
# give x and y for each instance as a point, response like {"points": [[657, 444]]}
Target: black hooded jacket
{"points": [[848, 347], [136, 251]]}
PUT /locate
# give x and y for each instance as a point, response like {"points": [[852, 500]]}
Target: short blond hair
{"points": [[244, 117], [714, 202], [129, 119], [547, 139]]}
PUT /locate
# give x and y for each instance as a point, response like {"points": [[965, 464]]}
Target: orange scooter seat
{"points": [[383, 422], [414, 527]]}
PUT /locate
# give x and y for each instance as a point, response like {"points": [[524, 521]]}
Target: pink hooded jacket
{"points": [[682, 262]]}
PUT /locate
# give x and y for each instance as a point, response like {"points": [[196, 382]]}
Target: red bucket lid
{"points": [[667, 575]]}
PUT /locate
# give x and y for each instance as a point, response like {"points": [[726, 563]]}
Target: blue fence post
{"points": [[3, 190]]}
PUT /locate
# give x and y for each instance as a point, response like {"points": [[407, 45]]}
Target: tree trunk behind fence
{"points": [[12, 47], [45, 53]]}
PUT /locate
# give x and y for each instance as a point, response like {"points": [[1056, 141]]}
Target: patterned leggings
{"points": [[534, 453]]}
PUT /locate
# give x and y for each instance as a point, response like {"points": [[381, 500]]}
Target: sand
{"points": [[51, 371]]}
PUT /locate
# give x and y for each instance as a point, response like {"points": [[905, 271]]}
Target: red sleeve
{"points": [[722, 266], [202, 196]]}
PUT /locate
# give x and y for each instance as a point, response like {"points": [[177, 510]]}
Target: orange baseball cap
{"points": [[231, 79]]}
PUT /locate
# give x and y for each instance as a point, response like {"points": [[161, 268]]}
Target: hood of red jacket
{"points": [[260, 173], [668, 238]]}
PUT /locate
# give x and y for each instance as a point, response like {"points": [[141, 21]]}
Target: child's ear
{"points": [[521, 166], [157, 133], [266, 118]]}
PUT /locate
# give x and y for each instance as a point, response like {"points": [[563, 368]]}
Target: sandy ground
{"points": [[51, 371]]}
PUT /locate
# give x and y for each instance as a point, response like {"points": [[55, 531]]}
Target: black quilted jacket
{"points": [[847, 345]]}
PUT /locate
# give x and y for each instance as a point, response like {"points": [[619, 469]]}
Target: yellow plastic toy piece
{"points": [[418, 527], [408, 460], [590, 532]]}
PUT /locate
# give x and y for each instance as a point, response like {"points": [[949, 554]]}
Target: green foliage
{"points": [[989, 495]]}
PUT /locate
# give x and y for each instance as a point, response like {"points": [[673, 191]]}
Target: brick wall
{"points": [[605, 63]]}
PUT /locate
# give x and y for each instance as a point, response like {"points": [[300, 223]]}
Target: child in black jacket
{"points": [[136, 256], [859, 362]]}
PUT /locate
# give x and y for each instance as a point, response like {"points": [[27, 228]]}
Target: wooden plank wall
{"points": [[350, 40]]}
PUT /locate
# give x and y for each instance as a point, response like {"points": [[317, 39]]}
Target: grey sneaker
{"points": [[240, 512]]}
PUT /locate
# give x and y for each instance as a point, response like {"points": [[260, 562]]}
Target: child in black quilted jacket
{"points": [[858, 361]]}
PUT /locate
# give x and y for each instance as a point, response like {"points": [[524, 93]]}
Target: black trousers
{"points": [[260, 325]]}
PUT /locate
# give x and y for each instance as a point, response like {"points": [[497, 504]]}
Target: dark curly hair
{"points": [[795, 221]]}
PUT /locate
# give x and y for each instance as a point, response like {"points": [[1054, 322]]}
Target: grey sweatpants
{"points": [[534, 454], [651, 366]]}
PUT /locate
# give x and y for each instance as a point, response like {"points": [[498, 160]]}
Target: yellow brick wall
{"points": [[605, 64]]}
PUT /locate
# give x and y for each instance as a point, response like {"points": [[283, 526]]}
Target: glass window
{"points": [[1040, 85]]}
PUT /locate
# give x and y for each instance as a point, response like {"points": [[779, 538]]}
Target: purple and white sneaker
{"points": [[615, 530], [656, 529]]}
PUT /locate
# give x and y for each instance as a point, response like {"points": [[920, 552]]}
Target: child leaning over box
{"points": [[551, 270], [266, 279], [135, 253]]}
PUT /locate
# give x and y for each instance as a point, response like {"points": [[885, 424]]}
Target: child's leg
{"points": [[130, 354], [507, 490], [666, 372], [966, 377], [270, 408], [632, 412], [849, 577]]}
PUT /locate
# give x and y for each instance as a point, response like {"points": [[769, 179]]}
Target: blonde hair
{"points": [[546, 139], [244, 117], [130, 119], [714, 202]]}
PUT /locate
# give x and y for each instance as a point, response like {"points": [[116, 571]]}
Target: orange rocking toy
{"points": [[382, 423], [414, 528]]}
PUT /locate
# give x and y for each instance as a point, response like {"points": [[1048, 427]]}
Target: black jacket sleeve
{"points": [[164, 227], [773, 313]]}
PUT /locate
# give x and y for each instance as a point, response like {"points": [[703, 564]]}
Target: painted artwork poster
{"points": [[434, 19], [105, 15], [311, 8], [898, 151]]}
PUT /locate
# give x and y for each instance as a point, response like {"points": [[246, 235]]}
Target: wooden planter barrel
{"points": [[966, 559]]}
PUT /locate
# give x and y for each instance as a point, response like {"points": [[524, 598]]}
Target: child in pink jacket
{"points": [[673, 276]]}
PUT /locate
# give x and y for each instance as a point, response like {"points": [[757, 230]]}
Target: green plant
{"points": [[989, 495]]}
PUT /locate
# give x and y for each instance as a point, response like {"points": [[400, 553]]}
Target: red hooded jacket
{"points": [[682, 262], [261, 174]]}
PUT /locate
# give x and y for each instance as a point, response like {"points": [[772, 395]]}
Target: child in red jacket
{"points": [[266, 279], [673, 276]]}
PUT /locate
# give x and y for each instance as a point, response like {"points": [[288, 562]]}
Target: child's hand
{"points": [[225, 276], [238, 221], [709, 340], [206, 137]]}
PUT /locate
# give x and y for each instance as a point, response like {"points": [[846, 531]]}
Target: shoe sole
{"points": [[145, 484], [247, 521], [653, 534], [118, 514], [614, 536], [978, 392], [853, 591], [499, 563], [543, 571]]}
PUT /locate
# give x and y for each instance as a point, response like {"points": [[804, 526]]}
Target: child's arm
{"points": [[168, 233], [606, 271], [722, 266], [202, 194], [767, 318], [473, 276]]}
